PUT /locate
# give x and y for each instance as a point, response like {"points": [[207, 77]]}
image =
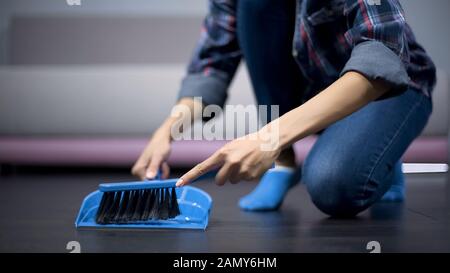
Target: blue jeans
{"points": [[355, 160]]}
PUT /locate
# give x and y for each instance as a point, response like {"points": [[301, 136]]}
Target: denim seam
{"points": [[389, 145]]}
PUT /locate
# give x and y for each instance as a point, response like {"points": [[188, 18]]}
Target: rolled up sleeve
{"points": [[377, 62], [216, 57], [379, 47], [211, 90]]}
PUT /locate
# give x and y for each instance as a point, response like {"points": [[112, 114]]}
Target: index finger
{"points": [[210, 163]]}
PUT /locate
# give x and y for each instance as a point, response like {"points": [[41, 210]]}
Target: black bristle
{"points": [[105, 203], [148, 205], [140, 205], [101, 207], [114, 208], [123, 207], [174, 209], [126, 206], [132, 206], [135, 214], [164, 208], [154, 213]]}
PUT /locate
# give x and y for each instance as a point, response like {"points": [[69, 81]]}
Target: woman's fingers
{"points": [[139, 168], [226, 172], [210, 163], [241, 159], [145, 170], [153, 167], [242, 174], [165, 170]]}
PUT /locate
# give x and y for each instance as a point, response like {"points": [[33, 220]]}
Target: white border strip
{"points": [[424, 168]]}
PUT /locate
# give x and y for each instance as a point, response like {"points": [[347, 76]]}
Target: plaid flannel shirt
{"points": [[331, 38]]}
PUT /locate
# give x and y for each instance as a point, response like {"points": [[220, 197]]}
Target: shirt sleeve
{"points": [[377, 35], [216, 57]]}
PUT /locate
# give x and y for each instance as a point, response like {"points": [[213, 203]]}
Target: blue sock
{"points": [[270, 192], [396, 192]]}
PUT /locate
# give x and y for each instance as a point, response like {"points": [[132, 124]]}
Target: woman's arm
{"points": [[210, 71], [244, 159], [345, 96]]}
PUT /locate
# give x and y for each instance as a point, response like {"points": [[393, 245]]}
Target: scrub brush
{"points": [[138, 202]]}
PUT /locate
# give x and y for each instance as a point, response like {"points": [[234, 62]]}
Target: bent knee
{"points": [[335, 195]]}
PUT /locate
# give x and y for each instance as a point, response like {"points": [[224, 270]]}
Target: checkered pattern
{"points": [[325, 38]]}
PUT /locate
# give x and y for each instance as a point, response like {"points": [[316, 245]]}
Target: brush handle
{"points": [[148, 184], [137, 185]]}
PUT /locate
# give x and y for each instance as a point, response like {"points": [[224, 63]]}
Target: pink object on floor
{"points": [[124, 151]]}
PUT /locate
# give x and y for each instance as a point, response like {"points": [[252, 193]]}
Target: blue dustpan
{"points": [[194, 204]]}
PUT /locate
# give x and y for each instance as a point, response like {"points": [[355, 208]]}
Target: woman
{"points": [[349, 69]]}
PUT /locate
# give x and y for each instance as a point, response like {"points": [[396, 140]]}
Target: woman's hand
{"points": [[245, 158], [154, 157], [155, 154]]}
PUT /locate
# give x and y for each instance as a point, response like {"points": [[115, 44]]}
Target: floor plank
{"points": [[38, 213]]}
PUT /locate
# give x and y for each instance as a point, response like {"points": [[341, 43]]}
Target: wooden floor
{"points": [[38, 212]]}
